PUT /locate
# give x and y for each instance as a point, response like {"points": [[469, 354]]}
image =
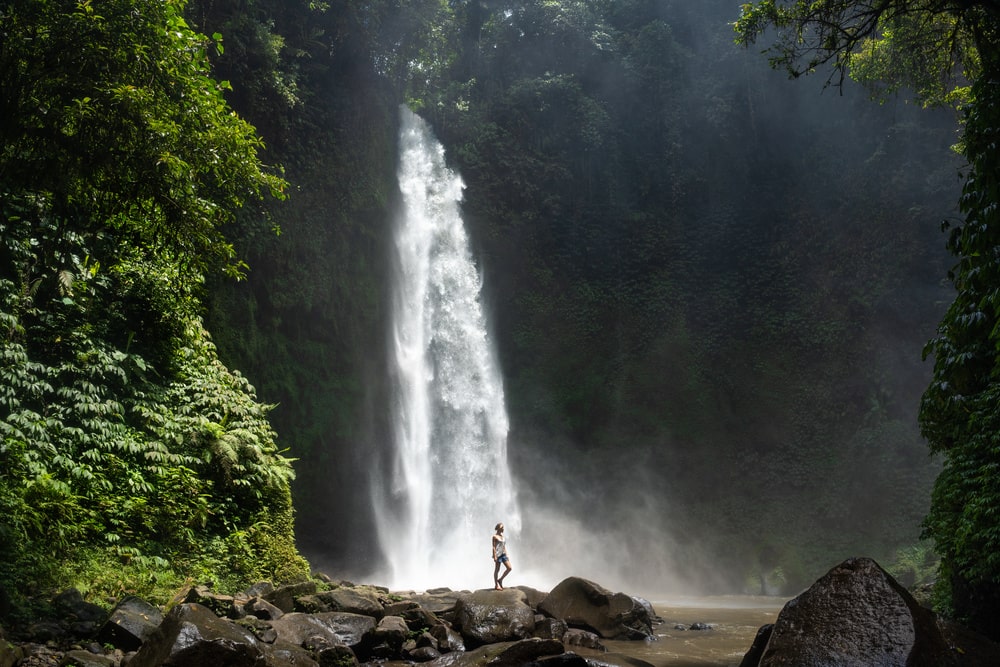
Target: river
{"points": [[733, 622]]}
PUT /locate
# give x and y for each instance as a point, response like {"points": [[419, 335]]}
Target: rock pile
{"points": [[312, 624]]}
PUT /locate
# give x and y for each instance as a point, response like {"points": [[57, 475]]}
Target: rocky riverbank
{"points": [[338, 623], [855, 615]]}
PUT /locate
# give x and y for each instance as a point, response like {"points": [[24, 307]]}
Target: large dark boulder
{"points": [[855, 615], [193, 636], [489, 616], [584, 604], [131, 622]]}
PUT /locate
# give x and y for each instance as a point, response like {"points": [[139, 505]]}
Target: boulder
{"points": [[284, 597], [488, 616], [286, 655], [439, 601], [526, 651], [355, 601], [550, 628], [131, 622], [584, 604], [336, 656], [752, 657], [193, 636], [325, 629], [84, 618], [262, 609], [424, 654], [222, 605], [578, 637], [856, 614], [416, 617], [389, 635], [447, 639]]}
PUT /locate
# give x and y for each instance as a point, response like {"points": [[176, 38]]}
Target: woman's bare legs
{"points": [[506, 572]]}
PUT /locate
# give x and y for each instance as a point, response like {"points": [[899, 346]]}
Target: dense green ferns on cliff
{"points": [[130, 457]]}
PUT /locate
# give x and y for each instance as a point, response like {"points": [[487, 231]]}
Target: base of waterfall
{"points": [[855, 615]]}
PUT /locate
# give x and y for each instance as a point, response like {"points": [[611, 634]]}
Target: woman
{"points": [[499, 551]]}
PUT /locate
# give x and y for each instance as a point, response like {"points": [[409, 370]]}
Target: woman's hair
{"points": [[497, 527]]}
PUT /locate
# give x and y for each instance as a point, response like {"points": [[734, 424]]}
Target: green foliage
{"points": [[111, 110], [959, 413], [927, 48], [124, 441], [170, 467]]}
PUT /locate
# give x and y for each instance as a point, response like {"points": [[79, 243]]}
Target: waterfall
{"points": [[448, 482]]}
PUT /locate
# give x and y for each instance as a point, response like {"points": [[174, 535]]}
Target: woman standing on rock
{"points": [[499, 551]]}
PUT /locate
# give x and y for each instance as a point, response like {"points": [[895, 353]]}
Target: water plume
{"points": [[448, 482]]}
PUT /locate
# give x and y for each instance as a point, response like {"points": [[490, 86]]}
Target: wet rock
{"points": [[260, 589], [488, 616], [583, 638], [131, 622], [856, 614], [284, 597], [550, 628], [285, 655], [326, 629], [193, 636], [424, 654], [353, 600], [336, 656], [222, 605], [584, 604], [262, 609], [526, 651], [752, 657], [448, 640]]}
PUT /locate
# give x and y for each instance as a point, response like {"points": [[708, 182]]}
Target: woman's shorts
{"points": [[503, 558]]}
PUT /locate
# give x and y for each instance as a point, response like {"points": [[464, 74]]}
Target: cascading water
{"points": [[449, 482]]}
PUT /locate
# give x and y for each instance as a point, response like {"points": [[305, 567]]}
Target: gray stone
{"points": [[131, 622], [284, 597], [489, 616], [448, 640], [584, 604], [583, 638], [856, 614], [191, 635], [330, 628]]}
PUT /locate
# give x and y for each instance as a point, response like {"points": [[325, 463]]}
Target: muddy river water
{"points": [[733, 622]]}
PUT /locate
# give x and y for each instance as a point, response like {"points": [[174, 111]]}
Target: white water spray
{"points": [[449, 482]]}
